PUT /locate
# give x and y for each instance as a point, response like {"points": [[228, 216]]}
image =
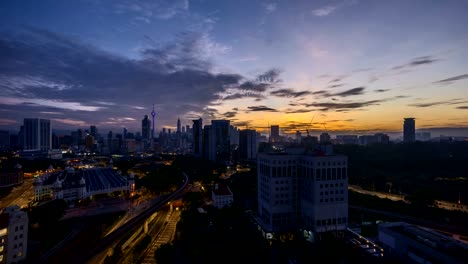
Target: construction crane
{"points": [[312, 120]]}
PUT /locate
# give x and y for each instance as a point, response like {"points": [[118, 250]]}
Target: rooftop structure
{"points": [[416, 244]]}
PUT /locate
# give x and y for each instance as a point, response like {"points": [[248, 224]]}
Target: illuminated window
{"points": [[3, 232]]}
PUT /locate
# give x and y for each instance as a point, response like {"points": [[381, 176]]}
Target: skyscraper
{"points": [[197, 137], [145, 127], [325, 138], [152, 131], [178, 126], [248, 144], [274, 134], [37, 134], [93, 131], [220, 131], [409, 130]]}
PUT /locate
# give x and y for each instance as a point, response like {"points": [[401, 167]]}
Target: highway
{"points": [[455, 231], [396, 197], [111, 238]]}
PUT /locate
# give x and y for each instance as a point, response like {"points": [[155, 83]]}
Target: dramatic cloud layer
{"points": [[289, 93], [45, 72], [452, 79]]}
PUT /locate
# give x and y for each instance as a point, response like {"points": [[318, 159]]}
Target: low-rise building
{"points": [[71, 184], [13, 235], [415, 244], [222, 196]]}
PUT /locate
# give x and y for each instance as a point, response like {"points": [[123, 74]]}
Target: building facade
{"points": [[37, 134], [409, 130], [197, 131], [146, 128], [248, 144], [274, 134], [13, 235], [302, 190]]}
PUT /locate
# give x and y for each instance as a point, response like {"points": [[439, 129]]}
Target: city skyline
{"points": [[341, 66]]}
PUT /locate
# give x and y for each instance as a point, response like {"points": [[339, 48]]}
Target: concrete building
{"points": [[197, 137], [248, 144], [274, 134], [13, 235], [302, 190], [325, 138], [222, 196], [409, 130], [146, 128], [216, 141], [37, 134], [414, 244]]}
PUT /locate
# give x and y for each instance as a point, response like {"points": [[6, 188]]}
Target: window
{"points": [[318, 223], [16, 228]]}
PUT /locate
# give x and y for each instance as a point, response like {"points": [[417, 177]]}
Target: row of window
{"points": [[331, 192], [331, 200], [331, 185], [331, 221], [303, 162]]}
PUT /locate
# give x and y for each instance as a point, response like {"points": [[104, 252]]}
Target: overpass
{"points": [[106, 242]]}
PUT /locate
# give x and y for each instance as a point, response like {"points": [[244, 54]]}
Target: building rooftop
{"points": [[431, 238], [221, 189]]}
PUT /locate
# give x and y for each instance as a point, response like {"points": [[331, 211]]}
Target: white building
{"points": [[13, 235], [222, 196], [300, 190]]}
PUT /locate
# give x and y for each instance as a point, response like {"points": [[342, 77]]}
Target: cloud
{"points": [[147, 10], [7, 122], [446, 102], [243, 123], [350, 92], [42, 71], [329, 9], [381, 90], [343, 106], [452, 79], [416, 62], [270, 7], [260, 108], [463, 107], [324, 11], [242, 95], [335, 85], [346, 93], [230, 114], [69, 121], [297, 111], [289, 93]]}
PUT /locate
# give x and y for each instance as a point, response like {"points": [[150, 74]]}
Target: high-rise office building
{"points": [[4, 139], [409, 130], [37, 134], [178, 126], [216, 141], [302, 190], [93, 131], [197, 137], [220, 131], [145, 128], [248, 144], [325, 138], [274, 134]]}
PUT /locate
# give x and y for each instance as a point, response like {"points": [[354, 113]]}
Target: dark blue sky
{"points": [[355, 65]]}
